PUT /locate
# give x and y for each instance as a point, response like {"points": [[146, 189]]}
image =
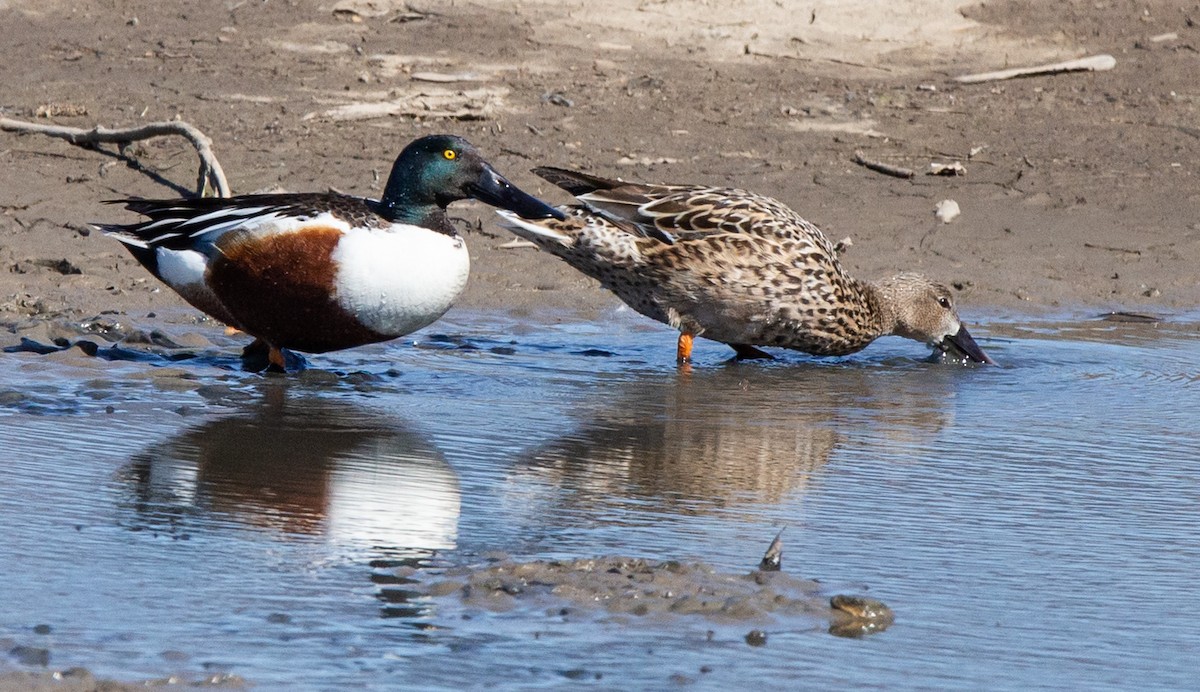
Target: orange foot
{"points": [[683, 352]]}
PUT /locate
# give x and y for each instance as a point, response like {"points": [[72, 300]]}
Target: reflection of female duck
{"points": [[316, 467], [729, 436], [701, 440]]}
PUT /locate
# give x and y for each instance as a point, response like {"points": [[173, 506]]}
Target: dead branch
{"points": [[210, 177], [886, 169]]}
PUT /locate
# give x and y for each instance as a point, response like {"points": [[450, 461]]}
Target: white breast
{"points": [[399, 280]]}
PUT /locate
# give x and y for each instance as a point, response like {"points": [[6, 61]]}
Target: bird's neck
{"points": [[879, 298], [399, 211]]}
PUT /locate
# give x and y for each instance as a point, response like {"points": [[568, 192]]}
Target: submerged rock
{"points": [[858, 616]]}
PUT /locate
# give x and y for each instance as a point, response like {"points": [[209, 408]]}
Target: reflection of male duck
{"points": [[736, 435], [315, 467]]}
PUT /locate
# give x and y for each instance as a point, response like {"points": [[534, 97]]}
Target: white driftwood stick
{"points": [[211, 175], [1094, 63], [516, 243]]}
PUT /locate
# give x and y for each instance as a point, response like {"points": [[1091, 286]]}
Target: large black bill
{"points": [[494, 189], [962, 345]]}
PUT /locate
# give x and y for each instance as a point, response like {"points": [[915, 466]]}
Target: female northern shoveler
{"points": [[735, 267], [322, 272]]}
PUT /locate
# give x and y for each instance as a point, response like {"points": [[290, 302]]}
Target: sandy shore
{"points": [[1080, 193]]}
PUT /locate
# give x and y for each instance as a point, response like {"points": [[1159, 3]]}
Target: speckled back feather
{"points": [[688, 212]]}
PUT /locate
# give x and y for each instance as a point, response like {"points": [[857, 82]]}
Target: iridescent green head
{"points": [[436, 170]]}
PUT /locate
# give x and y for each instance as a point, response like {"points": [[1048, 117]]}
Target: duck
{"points": [[736, 267], [320, 272]]}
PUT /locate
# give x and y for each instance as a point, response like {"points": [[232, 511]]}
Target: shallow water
{"points": [[1031, 525]]}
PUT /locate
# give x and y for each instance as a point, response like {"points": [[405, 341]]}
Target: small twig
{"points": [[1125, 250], [762, 54], [1095, 63], [1190, 131], [514, 152], [210, 176], [886, 169], [1134, 317]]}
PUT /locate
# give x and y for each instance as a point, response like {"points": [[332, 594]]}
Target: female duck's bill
{"points": [[962, 345]]}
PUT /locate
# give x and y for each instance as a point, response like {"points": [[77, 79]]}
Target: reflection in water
{"points": [[1018, 520], [714, 439], [303, 467]]}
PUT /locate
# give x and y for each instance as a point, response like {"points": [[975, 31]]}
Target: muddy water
{"points": [[1032, 525]]}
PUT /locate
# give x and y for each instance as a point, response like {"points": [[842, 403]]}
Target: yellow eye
{"points": [[450, 154]]}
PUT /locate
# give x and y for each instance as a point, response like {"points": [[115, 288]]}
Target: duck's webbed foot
{"points": [[748, 352], [258, 356]]}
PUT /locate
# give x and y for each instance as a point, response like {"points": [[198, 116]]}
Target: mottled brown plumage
{"points": [[735, 267]]}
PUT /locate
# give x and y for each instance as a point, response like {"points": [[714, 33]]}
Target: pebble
{"points": [[947, 210]]}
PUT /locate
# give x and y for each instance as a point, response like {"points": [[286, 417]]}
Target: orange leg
{"points": [[275, 357], [683, 352]]}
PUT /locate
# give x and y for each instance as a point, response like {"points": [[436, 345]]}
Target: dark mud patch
{"points": [[653, 592]]}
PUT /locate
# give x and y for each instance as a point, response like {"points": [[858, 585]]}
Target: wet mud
{"points": [[654, 593]]}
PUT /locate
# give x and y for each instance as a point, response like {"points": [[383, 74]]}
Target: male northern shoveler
{"points": [[735, 267], [321, 272]]}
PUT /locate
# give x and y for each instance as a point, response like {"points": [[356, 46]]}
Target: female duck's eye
{"points": [[944, 302], [450, 154]]}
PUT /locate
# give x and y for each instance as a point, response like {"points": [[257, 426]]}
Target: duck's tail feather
{"points": [[121, 233], [575, 182]]}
